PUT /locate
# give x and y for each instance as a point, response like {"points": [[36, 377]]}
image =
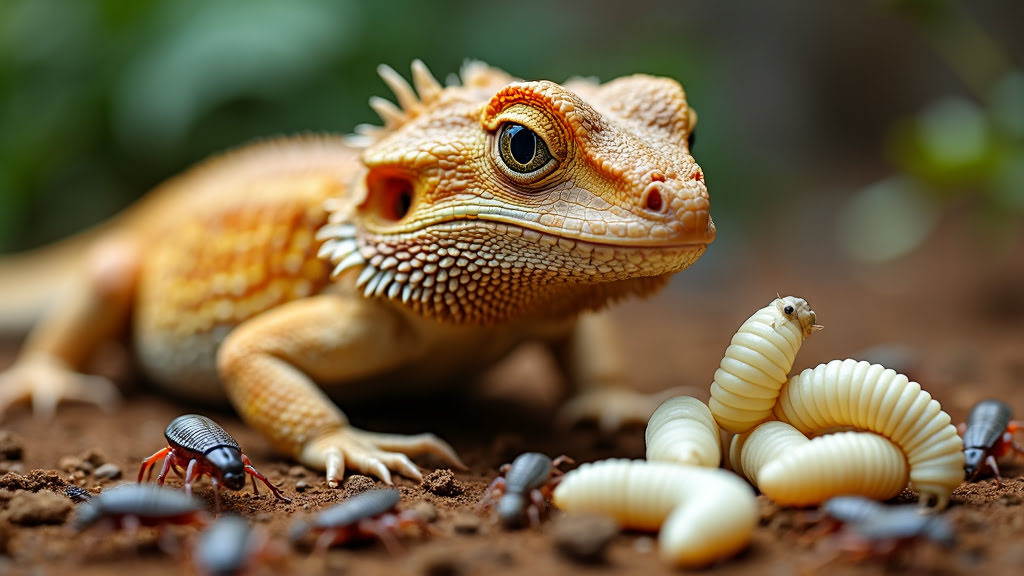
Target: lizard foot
{"points": [[45, 382], [613, 408], [373, 454]]}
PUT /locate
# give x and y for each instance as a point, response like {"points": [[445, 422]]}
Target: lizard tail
{"points": [[31, 282]]}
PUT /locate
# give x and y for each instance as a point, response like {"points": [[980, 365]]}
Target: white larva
{"points": [[872, 397], [795, 471], [757, 363], [682, 430], [705, 514]]}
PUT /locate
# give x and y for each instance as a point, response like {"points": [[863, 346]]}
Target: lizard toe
{"points": [[373, 454], [45, 383]]}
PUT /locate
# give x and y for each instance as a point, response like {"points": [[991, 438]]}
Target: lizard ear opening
{"points": [[390, 195]]}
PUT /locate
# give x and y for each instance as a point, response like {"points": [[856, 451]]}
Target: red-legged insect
{"points": [[130, 506], [368, 515], [988, 435], [532, 476], [874, 529], [230, 547], [201, 446]]}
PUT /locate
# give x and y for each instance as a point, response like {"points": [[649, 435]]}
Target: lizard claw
{"points": [[613, 408], [46, 382], [373, 454]]}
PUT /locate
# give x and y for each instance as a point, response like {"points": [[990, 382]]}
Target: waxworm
{"points": [[874, 398], [682, 430], [705, 514], [757, 363], [795, 471]]}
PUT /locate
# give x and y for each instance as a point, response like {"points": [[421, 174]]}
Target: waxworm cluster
{"points": [[901, 432], [872, 397], [793, 470], [705, 514], [757, 363]]}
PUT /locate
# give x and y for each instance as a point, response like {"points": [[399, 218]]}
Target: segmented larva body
{"points": [[705, 514], [682, 430], [795, 471], [878, 399], [757, 363]]}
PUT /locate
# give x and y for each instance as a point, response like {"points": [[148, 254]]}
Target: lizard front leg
{"points": [[270, 365], [595, 363], [46, 370]]}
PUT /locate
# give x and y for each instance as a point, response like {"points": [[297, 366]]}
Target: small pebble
{"points": [[74, 464], [108, 471], [583, 537], [465, 524], [425, 510], [16, 467], [302, 485], [36, 508], [644, 545]]}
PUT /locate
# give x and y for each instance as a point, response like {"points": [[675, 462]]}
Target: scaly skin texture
{"points": [[408, 257]]}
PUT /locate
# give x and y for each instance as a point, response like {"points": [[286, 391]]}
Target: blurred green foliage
{"points": [[963, 153], [102, 99]]}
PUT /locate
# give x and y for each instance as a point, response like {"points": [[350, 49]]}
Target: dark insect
{"points": [[230, 547], [873, 529], [201, 446], [370, 514], [531, 476], [130, 506], [988, 435]]}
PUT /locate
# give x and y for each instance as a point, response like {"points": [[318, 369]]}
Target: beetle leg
{"points": [[216, 494], [563, 459], [494, 490], [990, 460], [190, 474], [383, 529], [326, 539], [147, 464], [254, 474], [537, 503], [163, 469]]}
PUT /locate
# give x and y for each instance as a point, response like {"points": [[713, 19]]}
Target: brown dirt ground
{"points": [[955, 311]]}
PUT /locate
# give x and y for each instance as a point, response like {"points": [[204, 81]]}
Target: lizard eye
{"points": [[523, 153]]}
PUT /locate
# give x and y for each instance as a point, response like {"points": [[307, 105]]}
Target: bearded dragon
{"points": [[289, 272]]}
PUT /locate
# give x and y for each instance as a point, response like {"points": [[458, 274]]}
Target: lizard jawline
{"points": [[485, 271]]}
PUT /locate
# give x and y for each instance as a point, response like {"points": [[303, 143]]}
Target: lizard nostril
{"points": [[653, 200]]}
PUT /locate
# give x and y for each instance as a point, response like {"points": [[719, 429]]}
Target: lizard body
{"points": [[298, 270]]}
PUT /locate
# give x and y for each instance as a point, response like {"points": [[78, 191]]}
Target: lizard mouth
{"points": [[406, 265]]}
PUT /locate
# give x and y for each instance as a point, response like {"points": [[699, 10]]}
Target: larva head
{"points": [[498, 198], [797, 310]]}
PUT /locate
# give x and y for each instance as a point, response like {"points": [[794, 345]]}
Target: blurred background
{"points": [[877, 148]]}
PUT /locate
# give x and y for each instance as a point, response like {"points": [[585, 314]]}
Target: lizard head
{"points": [[499, 198]]}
